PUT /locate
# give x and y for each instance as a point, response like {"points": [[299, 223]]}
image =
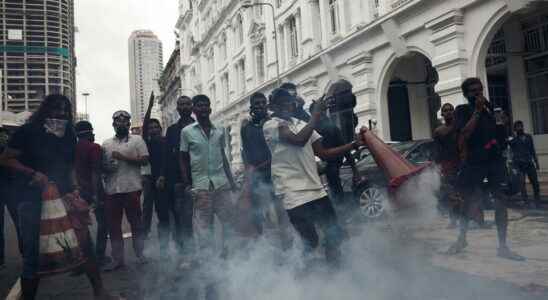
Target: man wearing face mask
{"points": [[256, 157], [43, 151], [481, 138], [525, 159], [180, 203], [88, 174], [293, 144], [124, 155], [300, 113]]}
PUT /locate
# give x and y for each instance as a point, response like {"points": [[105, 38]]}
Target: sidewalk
{"points": [[527, 235]]}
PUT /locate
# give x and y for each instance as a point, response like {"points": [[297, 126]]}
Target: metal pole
{"points": [[86, 94]]}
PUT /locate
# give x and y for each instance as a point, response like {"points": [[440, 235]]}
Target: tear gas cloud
{"points": [[380, 261]]}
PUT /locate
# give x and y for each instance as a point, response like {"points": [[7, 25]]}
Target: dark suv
{"points": [[371, 194]]}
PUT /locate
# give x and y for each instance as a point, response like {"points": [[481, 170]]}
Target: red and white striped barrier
{"points": [[59, 248]]}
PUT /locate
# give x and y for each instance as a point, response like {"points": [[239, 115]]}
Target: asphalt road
{"points": [[383, 270]]}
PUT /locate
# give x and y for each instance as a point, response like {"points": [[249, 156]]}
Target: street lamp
{"points": [[86, 94], [248, 4]]}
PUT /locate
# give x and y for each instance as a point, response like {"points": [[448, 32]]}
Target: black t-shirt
{"points": [[45, 153], [173, 142], [488, 139], [157, 151], [255, 150], [331, 138], [447, 149]]}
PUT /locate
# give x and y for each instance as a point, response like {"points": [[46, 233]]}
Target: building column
{"points": [[516, 68], [363, 86], [324, 21], [385, 6], [307, 32], [314, 7], [361, 13], [450, 55]]}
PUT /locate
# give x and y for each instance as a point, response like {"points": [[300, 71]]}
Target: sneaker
{"points": [[142, 260], [457, 247], [505, 252], [113, 266]]}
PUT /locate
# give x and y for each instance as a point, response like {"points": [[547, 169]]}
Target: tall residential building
{"points": [[36, 51], [145, 69], [403, 57]]}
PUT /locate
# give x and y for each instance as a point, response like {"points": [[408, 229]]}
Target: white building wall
{"points": [[366, 50]]}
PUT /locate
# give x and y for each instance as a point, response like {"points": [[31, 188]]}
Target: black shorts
{"points": [[471, 176]]}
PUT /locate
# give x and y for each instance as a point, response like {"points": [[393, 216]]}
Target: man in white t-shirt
{"points": [[124, 155], [294, 144]]}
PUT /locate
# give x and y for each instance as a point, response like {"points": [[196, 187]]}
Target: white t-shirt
{"points": [[294, 171], [126, 177]]}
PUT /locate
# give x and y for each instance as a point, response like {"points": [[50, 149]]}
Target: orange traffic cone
{"points": [[59, 247], [396, 168]]}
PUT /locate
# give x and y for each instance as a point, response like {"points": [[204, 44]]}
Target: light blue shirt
{"points": [[206, 156]]}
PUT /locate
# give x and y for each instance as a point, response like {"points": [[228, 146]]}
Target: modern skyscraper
{"points": [[145, 69], [36, 51]]}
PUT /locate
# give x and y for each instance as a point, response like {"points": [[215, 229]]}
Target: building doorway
{"points": [[399, 112], [412, 102]]}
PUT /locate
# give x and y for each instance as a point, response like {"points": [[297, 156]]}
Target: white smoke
{"points": [[381, 261]]}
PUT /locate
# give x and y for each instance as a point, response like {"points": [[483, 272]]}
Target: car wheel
{"points": [[372, 202]]}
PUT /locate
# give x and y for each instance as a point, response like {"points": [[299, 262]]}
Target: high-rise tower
{"points": [[36, 51], [145, 68]]}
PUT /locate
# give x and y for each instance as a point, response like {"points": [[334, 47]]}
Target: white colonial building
{"points": [[399, 55]]}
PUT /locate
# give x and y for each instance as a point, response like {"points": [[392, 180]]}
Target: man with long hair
{"points": [[42, 151]]}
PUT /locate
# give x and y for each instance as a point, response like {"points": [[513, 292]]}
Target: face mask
{"points": [[56, 127], [122, 131]]}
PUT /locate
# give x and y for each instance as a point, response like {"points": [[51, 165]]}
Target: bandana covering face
{"points": [[56, 127]]}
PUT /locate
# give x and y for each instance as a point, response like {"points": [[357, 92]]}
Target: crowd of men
{"points": [[472, 144], [186, 177]]}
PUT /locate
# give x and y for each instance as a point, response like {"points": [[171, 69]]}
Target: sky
{"points": [[104, 27]]}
